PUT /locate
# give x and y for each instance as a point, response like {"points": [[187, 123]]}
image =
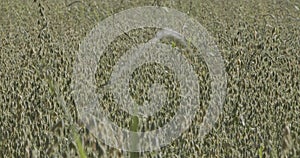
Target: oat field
{"points": [[258, 40]]}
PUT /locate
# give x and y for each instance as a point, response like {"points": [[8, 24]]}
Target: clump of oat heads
{"points": [[259, 42]]}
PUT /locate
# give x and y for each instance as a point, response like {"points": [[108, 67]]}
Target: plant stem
{"points": [[133, 136]]}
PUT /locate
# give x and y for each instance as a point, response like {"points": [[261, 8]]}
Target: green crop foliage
{"points": [[258, 40]]}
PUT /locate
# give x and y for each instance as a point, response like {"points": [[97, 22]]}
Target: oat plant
{"points": [[54, 89]]}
